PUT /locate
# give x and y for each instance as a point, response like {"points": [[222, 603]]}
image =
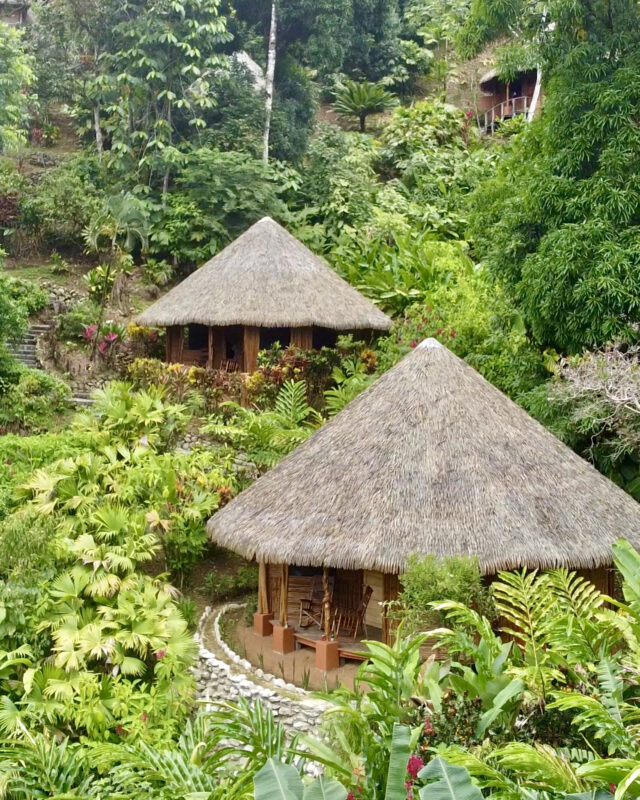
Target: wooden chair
{"points": [[353, 619], [312, 607], [229, 365]]}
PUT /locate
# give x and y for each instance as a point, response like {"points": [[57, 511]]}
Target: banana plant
{"points": [[278, 781]]}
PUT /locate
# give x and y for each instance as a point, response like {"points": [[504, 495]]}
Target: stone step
{"points": [[81, 401]]}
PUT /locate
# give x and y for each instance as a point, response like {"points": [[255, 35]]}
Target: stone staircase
{"points": [[25, 350]]}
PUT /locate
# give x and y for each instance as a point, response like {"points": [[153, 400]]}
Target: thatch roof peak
{"points": [[431, 459], [267, 278]]}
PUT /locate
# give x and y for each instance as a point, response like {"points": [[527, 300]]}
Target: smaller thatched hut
{"points": [[264, 287], [431, 459]]}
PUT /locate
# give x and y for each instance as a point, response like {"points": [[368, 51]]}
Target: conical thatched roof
{"points": [[269, 279], [430, 459]]}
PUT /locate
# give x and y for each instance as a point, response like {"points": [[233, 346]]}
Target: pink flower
{"points": [[453, 334], [111, 337], [414, 766], [90, 331], [428, 727], [143, 717], [161, 654], [409, 787], [102, 347]]}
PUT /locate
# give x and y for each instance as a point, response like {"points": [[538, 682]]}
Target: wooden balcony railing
{"points": [[489, 120]]}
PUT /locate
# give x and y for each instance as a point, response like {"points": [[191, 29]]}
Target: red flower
{"points": [[111, 336], [419, 326], [453, 334], [143, 717], [119, 730], [161, 654], [409, 787], [414, 766], [413, 343], [428, 727], [102, 347], [439, 331], [90, 331]]}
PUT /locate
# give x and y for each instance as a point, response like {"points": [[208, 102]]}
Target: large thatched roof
{"points": [[269, 279], [430, 459]]}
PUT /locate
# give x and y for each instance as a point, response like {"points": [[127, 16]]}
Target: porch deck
{"points": [[351, 649]]}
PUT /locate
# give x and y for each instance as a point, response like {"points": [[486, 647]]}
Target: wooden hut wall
{"points": [[251, 347], [376, 581], [302, 338], [175, 344]]}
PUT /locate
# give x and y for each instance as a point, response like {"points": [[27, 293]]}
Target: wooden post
{"points": [[284, 639], [302, 338], [219, 347], [263, 589], [175, 344], [284, 596], [251, 347], [326, 603], [262, 619], [210, 349], [390, 593]]}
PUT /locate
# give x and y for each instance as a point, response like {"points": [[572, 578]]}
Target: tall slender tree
{"points": [[271, 71]]}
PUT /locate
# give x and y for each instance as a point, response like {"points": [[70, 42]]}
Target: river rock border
{"points": [[224, 675]]}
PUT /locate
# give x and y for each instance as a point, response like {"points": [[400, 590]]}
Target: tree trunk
{"points": [[98, 129], [271, 69], [363, 122], [536, 96]]}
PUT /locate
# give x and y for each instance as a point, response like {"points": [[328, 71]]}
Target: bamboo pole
{"points": [[284, 596]]}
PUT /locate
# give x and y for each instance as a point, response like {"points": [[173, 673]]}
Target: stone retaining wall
{"points": [[224, 675]]}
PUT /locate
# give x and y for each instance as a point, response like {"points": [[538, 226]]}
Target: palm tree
{"points": [[354, 99]]}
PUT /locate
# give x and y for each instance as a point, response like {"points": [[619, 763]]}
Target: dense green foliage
{"points": [[141, 158]]}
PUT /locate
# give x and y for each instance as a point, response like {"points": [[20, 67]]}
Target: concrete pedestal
{"points": [[327, 655], [283, 639], [263, 624]]}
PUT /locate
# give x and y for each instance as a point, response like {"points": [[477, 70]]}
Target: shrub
{"points": [[278, 365], [427, 580], [71, 325], [180, 382], [31, 403], [223, 587]]}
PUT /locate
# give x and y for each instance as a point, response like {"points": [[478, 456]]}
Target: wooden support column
{"points": [[390, 593], [284, 595], [302, 338], [175, 344], [251, 347], [326, 603], [263, 620], [210, 348], [283, 636], [328, 649], [219, 347]]}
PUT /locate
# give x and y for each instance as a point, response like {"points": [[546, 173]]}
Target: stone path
{"points": [[222, 675]]}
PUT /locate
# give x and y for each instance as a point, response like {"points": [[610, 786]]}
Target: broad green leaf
{"points": [[325, 789], [277, 781], [398, 759], [449, 782]]}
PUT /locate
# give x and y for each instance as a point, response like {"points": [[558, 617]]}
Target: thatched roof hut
{"points": [[265, 280], [431, 459]]}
